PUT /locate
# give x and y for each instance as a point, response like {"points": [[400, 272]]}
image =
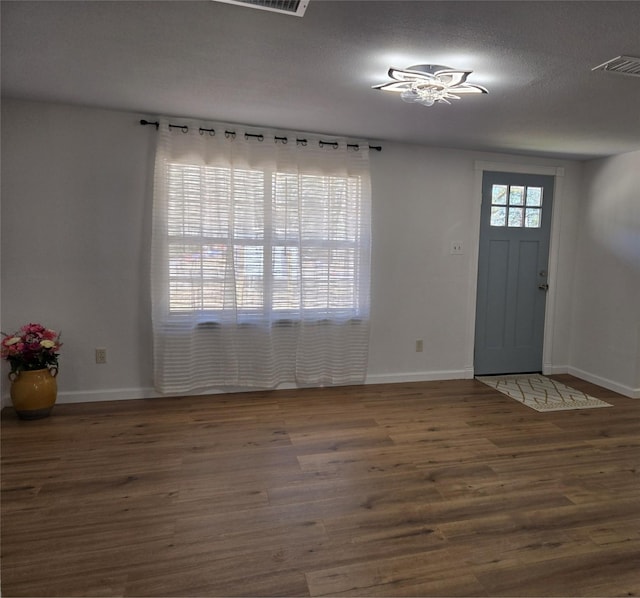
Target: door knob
{"points": [[544, 286]]}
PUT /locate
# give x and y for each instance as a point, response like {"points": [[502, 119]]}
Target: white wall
{"points": [[606, 313], [76, 185], [423, 199], [75, 231]]}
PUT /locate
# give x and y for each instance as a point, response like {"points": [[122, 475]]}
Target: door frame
{"points": [[557, 172]]}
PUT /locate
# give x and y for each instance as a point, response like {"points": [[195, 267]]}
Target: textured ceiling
{"points": [[233, 64]]}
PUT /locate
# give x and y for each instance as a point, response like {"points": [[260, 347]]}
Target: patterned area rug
{"points": [[542, 393]]}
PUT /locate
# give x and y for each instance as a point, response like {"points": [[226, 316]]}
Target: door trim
{"points": [[558, 173]]}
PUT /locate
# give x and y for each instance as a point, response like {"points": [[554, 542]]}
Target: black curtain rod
{"points": [[259, 137]]}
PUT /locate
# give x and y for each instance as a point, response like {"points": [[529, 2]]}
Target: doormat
{"points": [[542, 393]]}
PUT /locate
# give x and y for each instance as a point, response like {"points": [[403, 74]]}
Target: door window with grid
{"points": [[516, 206]]}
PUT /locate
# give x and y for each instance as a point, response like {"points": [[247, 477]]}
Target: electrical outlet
{"points": [[101, 356], [419, 346], [457, 248]]}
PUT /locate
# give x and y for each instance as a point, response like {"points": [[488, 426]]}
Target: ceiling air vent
{"points": [[622, 65], [287, 7]]}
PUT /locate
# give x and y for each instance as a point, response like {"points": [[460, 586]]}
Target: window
{"points": [[260, 259], [292, 240], [516, 206]]}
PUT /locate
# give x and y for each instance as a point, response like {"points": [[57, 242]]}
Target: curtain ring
{"points": [[183, 128]]}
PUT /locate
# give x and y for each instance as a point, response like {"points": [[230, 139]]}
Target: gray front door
{"points": [[512, 272]]}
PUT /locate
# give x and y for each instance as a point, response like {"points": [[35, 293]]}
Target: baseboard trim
{"points": [[116, 394], [130, 394], [125, 394], [627, 391], [420, 376], [549, 369]]}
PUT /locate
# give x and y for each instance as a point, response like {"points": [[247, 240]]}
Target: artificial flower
{"points": [[33, 347]]}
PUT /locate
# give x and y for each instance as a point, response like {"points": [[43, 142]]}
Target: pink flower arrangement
{"points": [[33, 347]]}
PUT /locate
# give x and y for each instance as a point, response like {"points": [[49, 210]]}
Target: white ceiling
{"points": [[222, 62]]}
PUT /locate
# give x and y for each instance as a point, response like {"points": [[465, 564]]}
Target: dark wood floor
{"points": [[421, 489]]}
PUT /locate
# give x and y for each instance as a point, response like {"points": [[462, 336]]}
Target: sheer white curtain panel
{"points": [[260, 268]]}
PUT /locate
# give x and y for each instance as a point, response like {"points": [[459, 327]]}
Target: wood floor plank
{"points": [[612, 572], [444, 488], [410, 575]]}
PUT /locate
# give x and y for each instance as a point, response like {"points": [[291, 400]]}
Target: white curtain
{"points": [[260, 258]]}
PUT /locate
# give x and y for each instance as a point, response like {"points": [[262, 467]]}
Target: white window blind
{"points": [[261, 259]]}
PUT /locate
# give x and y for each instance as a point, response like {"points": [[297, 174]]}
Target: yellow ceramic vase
{"points": [[34, 393]]}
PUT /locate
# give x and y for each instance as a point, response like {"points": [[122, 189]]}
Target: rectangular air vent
{"points": [[287, 7], [622, 65]]}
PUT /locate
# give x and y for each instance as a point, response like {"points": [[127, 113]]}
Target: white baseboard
{"points": [[420, 376], [127, 394], [549, 370], [123, 394], [115, 394], [93, 396], [627, 391]]}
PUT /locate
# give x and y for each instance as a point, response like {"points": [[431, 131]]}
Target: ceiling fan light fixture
{"points": [[287, 7], [621, 65], [428, 84]]}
